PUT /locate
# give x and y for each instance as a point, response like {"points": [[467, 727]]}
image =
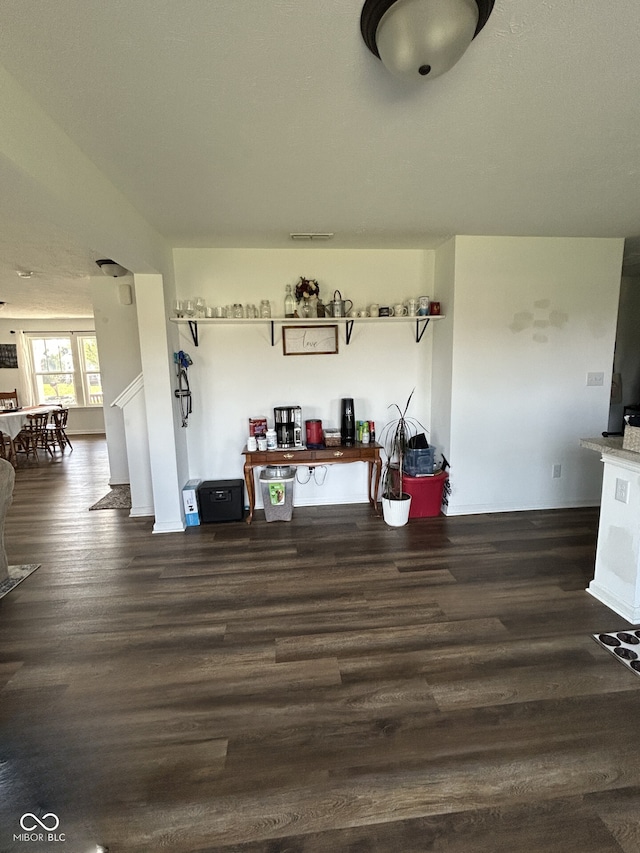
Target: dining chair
{"points": [[56, 429], [9, 397], [33, 436]]}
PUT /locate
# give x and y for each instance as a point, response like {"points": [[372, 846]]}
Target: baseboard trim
{"points": [[141, 511], [628, 612], [169, 527], [481, 509]]}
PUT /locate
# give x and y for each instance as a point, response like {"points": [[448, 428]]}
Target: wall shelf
{"points": [[421, 323]]}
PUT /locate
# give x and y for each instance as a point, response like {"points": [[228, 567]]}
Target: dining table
{"points": [[13, 420]]}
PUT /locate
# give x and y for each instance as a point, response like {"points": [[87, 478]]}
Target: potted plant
{"points": [[395, 437]]}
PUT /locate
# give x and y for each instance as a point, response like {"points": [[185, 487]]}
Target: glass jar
{"points": [[265, 308], [289, 303]]}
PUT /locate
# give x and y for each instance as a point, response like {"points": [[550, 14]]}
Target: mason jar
{"points": [[265, 308]]}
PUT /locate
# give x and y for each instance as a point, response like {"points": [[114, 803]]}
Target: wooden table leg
{"points": [[374, 482], [251, 489]]}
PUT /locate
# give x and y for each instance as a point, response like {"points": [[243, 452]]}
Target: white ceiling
{"points": [[235, 122]]}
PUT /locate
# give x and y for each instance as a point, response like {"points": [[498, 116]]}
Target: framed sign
{"points": [[310, 340], [8, 355]]}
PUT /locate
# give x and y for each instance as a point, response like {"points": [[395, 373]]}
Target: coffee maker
{"points": [[288, 424]]}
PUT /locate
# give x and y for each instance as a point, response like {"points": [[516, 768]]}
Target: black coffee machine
{"points": [[348, 422], [288, 424]]}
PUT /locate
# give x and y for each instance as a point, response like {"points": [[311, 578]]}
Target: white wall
{"points": [[237, 374], [57, 183], [442, 380], [157, 368], [531, 317], [119, 347], [82, 420]]}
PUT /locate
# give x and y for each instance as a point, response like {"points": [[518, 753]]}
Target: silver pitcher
{"points": [[337, 306]]}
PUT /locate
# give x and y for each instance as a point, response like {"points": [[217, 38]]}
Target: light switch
{"points": [[595, 379]]}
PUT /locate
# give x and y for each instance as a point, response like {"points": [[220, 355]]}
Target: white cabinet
{"points": [[616, 581]]}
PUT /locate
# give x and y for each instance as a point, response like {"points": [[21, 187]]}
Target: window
{"points": [[66, 369], [90, 370]]}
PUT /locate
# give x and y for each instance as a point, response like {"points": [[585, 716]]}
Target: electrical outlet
{"points": [[622, 490], [556, 472], [595, 379]]}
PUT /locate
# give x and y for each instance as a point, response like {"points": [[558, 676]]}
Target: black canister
{"points": [[348, 422]]}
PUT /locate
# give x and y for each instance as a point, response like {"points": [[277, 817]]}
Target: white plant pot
{"points": [[396, 512]]}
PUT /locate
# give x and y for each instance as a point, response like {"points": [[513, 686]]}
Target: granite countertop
{"points": [[612, 446]]}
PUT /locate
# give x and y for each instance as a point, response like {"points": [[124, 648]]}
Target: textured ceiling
{"points": [[232, 123]]}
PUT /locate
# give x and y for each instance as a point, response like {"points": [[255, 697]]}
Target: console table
{"points": [[341, 455]]}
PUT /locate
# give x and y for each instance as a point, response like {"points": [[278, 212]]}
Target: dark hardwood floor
{"points": [[326, 684]]}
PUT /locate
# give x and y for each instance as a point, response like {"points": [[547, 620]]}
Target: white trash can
{"points": [[276, 485]]}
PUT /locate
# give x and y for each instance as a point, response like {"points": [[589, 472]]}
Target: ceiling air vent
{"points": [[311, 235]]}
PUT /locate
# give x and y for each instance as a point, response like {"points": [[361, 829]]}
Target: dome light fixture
{"points": [[110, 267], [418, 39]]}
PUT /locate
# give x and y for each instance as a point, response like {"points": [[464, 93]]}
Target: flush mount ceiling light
{"points": [[421, 38], [24, 273], [110, 267]]}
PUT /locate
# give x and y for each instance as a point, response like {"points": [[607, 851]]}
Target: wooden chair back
{"points": [[9, 397], [59, 417], [37, 423]]}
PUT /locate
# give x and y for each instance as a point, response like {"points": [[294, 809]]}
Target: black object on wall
{"points": [[8, 355]]}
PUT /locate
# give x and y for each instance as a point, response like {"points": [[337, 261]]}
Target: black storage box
{"points": [[221, 500]]}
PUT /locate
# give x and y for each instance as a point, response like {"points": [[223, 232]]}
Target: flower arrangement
{"points": [[306, 288]]}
